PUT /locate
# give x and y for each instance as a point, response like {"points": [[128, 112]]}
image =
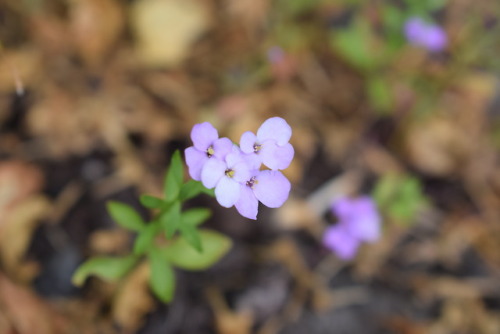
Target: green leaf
{"points": [[125, 215], [196, 216], [151, 202], [380, 93], [180, 253], [170, 219], [174, 178], [145, 239], [108, 268], [190, 233], [193, 188], [357, 45], [162, 278]]}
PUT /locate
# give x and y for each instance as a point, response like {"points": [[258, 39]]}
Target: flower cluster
{"points": [[427, 35], [235, 171], [358, 221]]}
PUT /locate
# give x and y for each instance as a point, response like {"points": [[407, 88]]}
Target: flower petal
{"points": [[234, 157], [275, 128], [222, 147], [212, 172], [247, 205], [227, 192], [247, 141], [253, 160], [203, 135], [195, 160], [365, 222], [276, 157], [241, 172], [343, 244], [271, 188]]}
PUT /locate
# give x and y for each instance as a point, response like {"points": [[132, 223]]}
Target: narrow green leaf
{"points": [[174, 177], [190, 233], [196, 216], [108, 268], [151, 202], [191, 189], [170, 219], [181, 254], [145, 239], [162, 278], [125, 215]]}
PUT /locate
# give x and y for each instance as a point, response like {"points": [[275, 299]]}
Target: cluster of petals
{"points": [[235, 171], [358, 222], [427, 35]]}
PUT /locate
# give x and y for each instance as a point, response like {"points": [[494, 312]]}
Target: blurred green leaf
{"points": [[151, 202], [399, 196], [174, 178], [170, 219], [190, 233], [357, 45], [193, 188], [380, 93], [125, 215], [145, 239], [108, 268], [181, 254], [162, 278], [297, 7], [195, 217]]}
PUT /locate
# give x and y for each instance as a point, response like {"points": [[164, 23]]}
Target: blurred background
{"points": [[396, 100]]}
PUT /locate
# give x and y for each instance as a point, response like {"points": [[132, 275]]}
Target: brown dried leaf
{"points": [[26, 312], [16, 235], [19, 69], [226, 320], [133, 299], [113, 241], [166, 29], [96, 26]]}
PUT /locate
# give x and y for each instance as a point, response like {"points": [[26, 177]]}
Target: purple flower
{"points": [[275, 54], [206, 145], [358, 221], [427, 35], [270, 146], [226, 176], [234, 171], [267, 186]]}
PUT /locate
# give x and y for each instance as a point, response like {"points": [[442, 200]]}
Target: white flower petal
{"points": [[271, 188], [212, 172], [247, 205], [247, 142], [195, 159], [227, 192], [203, 135], [275, 128]]}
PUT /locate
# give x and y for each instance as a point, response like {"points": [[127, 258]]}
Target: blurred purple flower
{"points": [[275, 54], [424, 34], [206, 144], [267, 186], [270, 146], [358, 221]]}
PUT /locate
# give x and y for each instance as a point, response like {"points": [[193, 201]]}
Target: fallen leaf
{"points": [[26, 312], [133, 299], [166, 29], [16, 235], [96, 26]]}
